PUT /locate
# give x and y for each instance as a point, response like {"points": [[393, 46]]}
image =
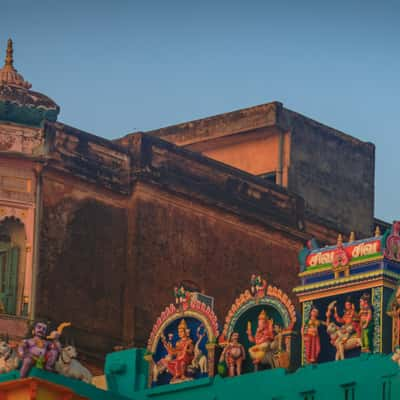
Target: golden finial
{"points": [[352, 237], [8, 74], [377, 231], [339, 240], [9, 55]]}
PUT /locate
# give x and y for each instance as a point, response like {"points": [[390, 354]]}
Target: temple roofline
{"points": [[272, 114]]}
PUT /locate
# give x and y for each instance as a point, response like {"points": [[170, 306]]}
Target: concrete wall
{"points": [[334, 173]]}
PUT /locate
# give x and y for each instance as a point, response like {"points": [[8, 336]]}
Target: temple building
{"points": [[98, 232]]}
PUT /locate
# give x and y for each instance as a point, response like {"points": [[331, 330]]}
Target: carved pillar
{"points": [[307, 305], [377, 305], [211, 358], [149, 359]]}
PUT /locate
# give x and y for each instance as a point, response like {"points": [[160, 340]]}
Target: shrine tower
{"points": [[23, 115], [350, 297]]}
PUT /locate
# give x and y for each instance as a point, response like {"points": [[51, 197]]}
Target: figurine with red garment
{"points": [[233, 355], [350, 319], [261, 352], [311, 337], [180, 356]]}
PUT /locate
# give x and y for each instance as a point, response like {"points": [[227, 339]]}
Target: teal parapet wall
{"points": [[369, 377], [126, 372], [373, 376]]}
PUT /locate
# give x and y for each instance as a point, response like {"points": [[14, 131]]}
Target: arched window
{"points": [[12, 251]]}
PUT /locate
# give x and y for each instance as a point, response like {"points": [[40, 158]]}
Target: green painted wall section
{"points": [[26, 115], [126, 372]]}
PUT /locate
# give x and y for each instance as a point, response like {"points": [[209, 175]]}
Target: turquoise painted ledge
{"points": [[25, 115], [369, 376]]}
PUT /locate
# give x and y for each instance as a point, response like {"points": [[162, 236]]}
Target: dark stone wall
{"points": [[181, 241], [82, 265], [334, 173]]}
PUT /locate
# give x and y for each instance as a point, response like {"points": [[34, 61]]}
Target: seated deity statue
{"points": [[350, 319], [262, 340], [180, 356]]}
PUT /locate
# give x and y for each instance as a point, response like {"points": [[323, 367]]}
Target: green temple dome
{"points": [[17, 102]]}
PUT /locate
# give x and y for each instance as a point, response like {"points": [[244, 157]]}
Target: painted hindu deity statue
{"points": [[233, 355], [392, 250], [33, 351], [366, 323], [350, 319], [311, 339], [258, 286], [263, 338], [180, 356], [394, 313], [182, 296]]}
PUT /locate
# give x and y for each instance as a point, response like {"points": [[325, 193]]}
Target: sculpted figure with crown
{"points": [[394, 313], [262, 339], [366, 323], [350, 319], [263, 318], [311, 338], [179, 356], [182, 343]]}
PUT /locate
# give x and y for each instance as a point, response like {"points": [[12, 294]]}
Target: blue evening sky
{"points": [[119, 66]]}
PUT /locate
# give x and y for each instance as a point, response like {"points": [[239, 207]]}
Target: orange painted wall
{"points": [[256, 156], [33, 388]]}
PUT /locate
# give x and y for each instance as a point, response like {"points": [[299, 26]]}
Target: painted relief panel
{"points": [[260, 328], [182, 343]]}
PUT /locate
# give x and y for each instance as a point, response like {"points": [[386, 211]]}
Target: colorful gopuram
{"points": [[349, 297]]}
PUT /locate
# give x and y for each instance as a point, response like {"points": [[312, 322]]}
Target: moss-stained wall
{"points": [[177, 240], [82, 264]]}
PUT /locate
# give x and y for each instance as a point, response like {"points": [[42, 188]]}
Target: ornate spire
{"points": [[8, 74], [9, 56], [339, 240], [352, 237], [377, 231]]}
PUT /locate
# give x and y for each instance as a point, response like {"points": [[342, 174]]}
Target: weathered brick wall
{"points": [[177, 240], [81, 268], [334, 173]]}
